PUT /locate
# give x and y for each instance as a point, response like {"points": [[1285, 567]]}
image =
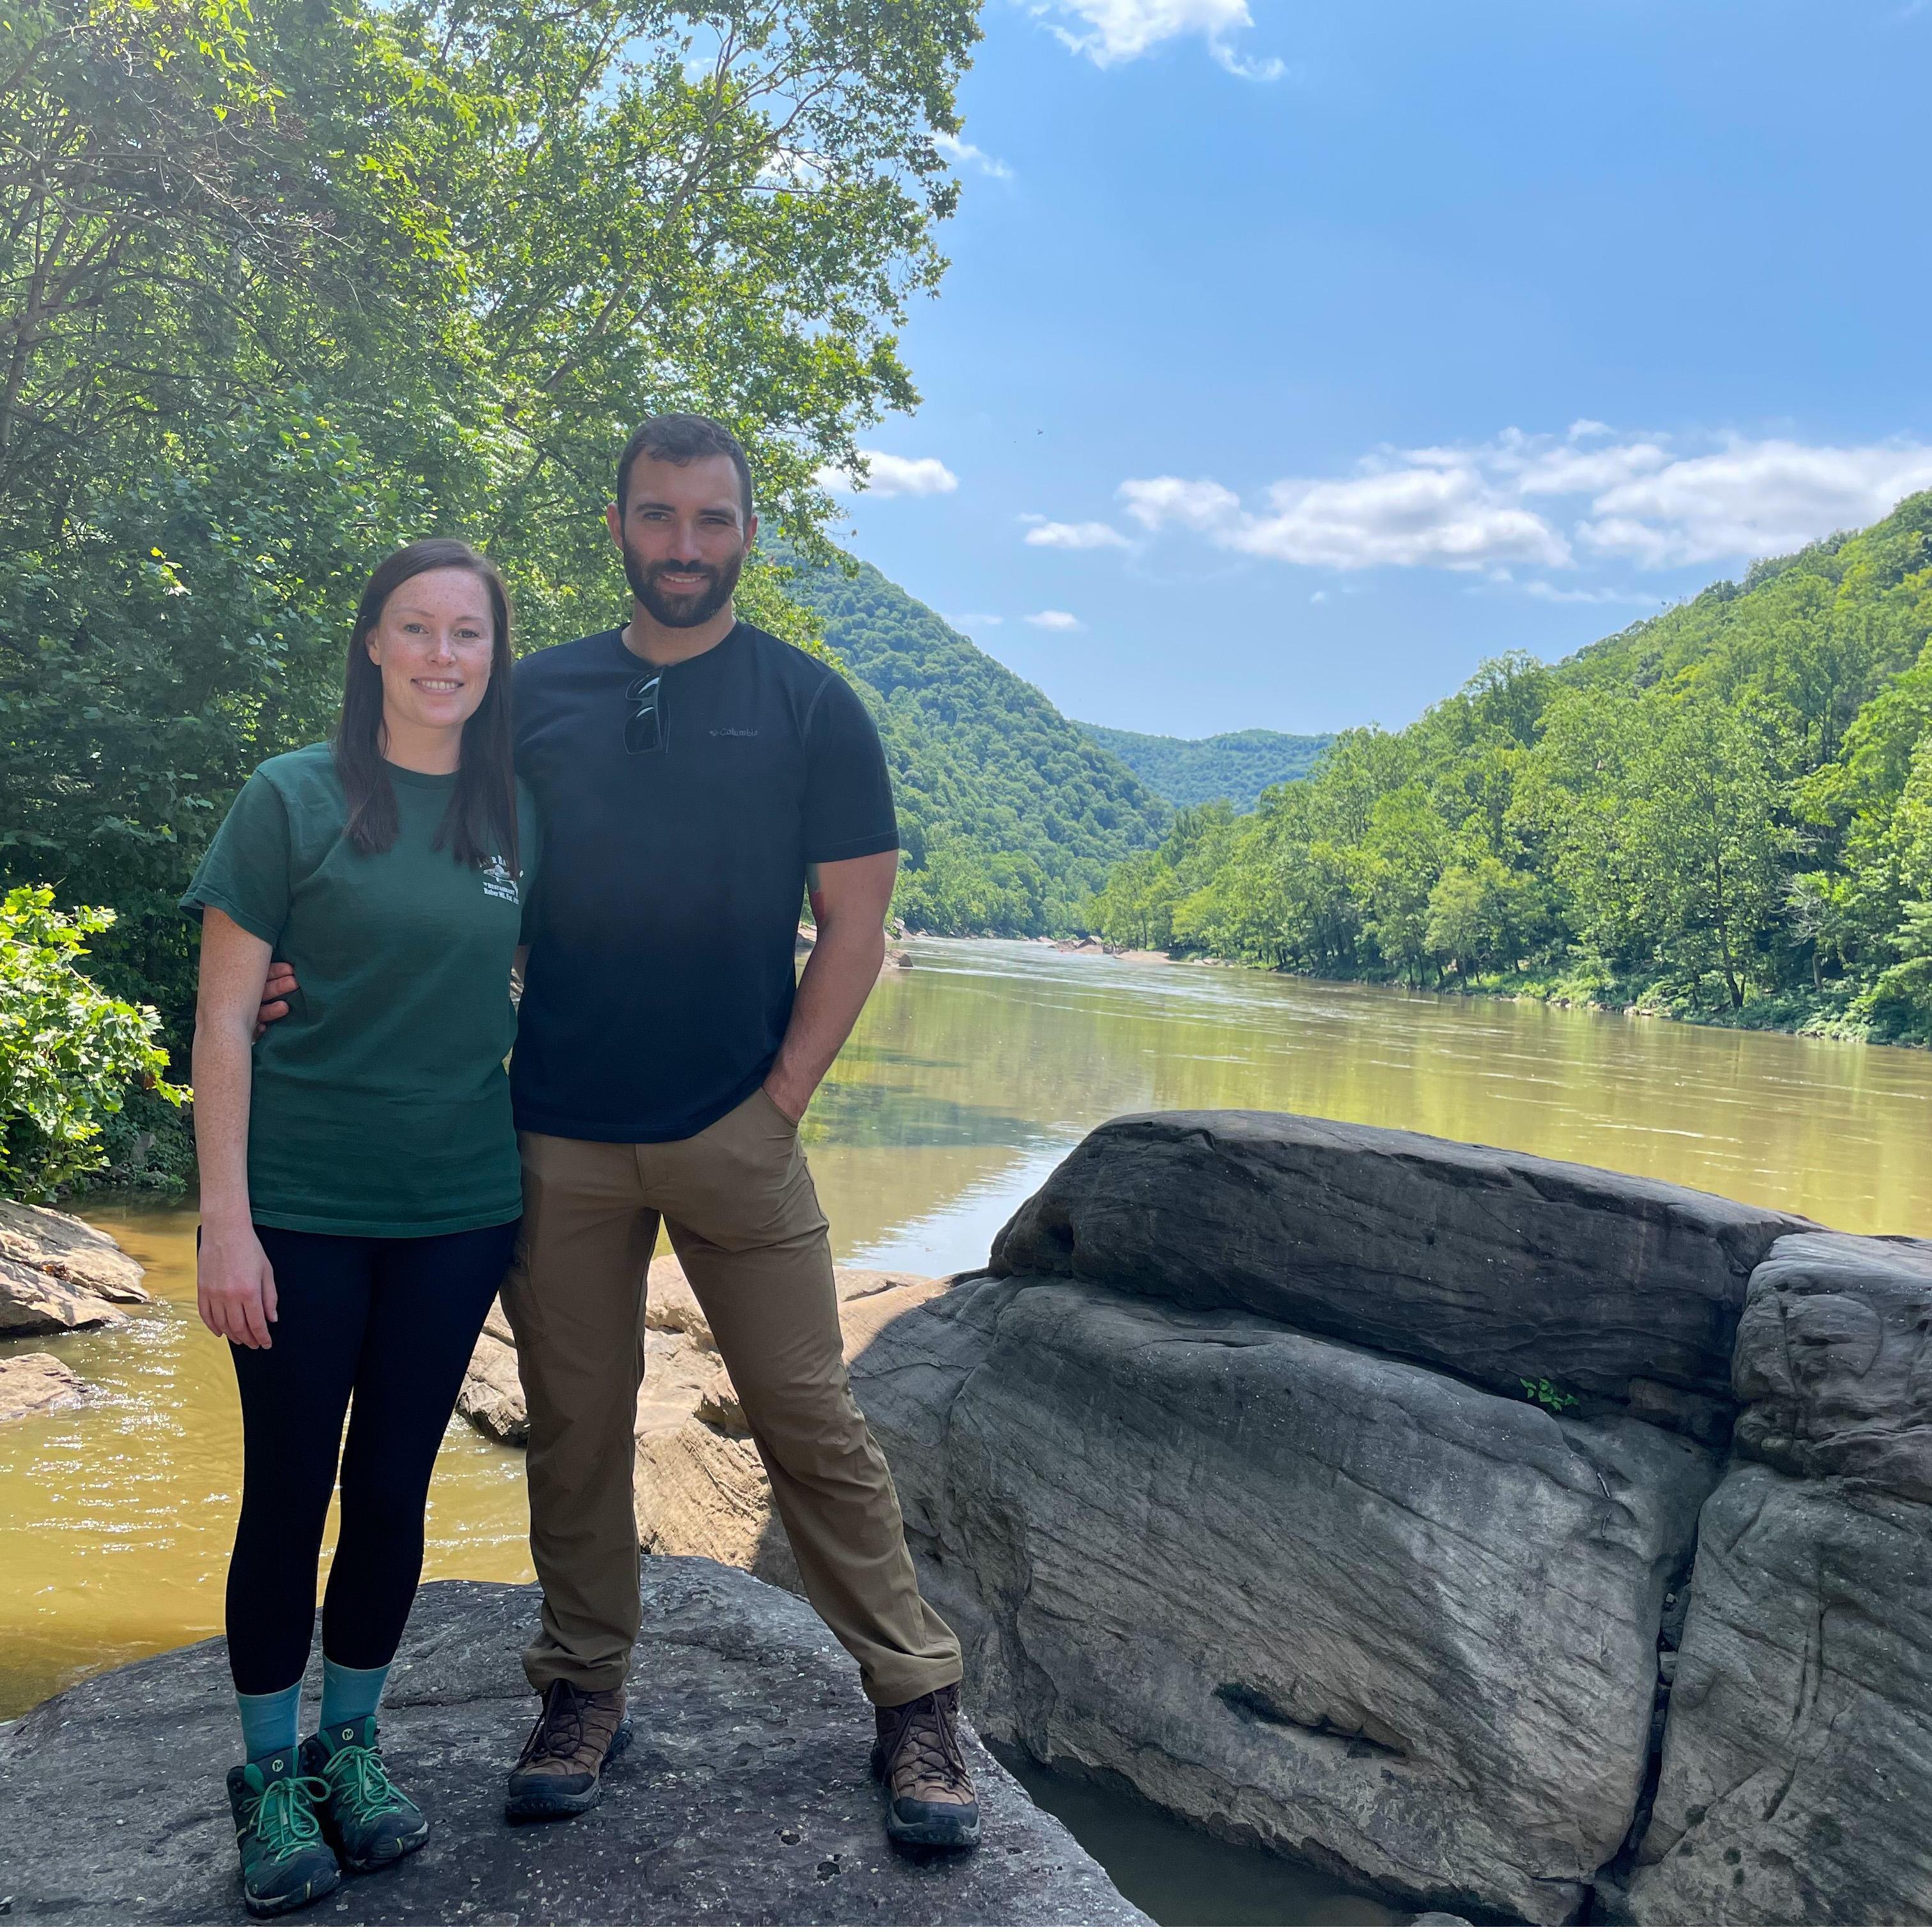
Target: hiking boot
{"points": [[285, 1865], [569, 1748], [368, 1821], [929, 1795]]}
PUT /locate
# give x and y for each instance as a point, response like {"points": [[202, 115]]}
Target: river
{"points": [[971, 1073]]}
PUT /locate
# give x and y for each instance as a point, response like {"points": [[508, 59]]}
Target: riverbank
{"points": [[1826, 1015]]}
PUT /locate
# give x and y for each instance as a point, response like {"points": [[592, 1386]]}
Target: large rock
{"points": [[1834, 1362], [70, 1250], [1356, 1609], [1797, 1779], [1498, 1266], [745, 1800], [34, 1303], [31, 1384]]}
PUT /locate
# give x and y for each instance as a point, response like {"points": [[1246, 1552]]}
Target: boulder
{"points": [[671, 1303], [1834, 1362], [30, 1384], [1797, 1775], [1500, 1268], [69, 1250], [34, 1303], [744, 1800], [1357, 1610]]}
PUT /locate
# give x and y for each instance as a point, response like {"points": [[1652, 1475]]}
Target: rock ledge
{"points": [[744, 1800]]}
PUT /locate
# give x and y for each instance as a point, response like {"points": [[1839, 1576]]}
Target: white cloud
{"points": [[1533, 500], [1055, 620], [1752, 500], [1073, 536], [963, 154], [1200, 504], [1552, 593], [1431, 507], [975, 620], [1114, 31], [893, 476]]}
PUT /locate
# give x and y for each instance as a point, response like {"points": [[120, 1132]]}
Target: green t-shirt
{"points": [[380, 1105]]}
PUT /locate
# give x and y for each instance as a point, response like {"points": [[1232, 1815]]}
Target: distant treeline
{"points": [[1725, 810], [1236, 765]]}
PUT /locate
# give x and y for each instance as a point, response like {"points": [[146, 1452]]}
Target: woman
{"points": [[360, 1193]]}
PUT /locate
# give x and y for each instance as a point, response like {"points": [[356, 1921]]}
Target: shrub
{"points": [[68, 1051]]}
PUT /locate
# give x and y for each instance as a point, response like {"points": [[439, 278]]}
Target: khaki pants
{"points": [[738, 1201]]}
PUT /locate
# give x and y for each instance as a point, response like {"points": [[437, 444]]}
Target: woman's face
{"points": [[432, 645]]}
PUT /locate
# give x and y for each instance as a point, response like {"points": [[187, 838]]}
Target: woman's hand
{"points": [[235, 1286]]}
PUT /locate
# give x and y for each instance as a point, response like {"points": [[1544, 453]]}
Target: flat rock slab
{"points": [[34, 1303], [1353, 1609], [70, 1250], [1834, 1362], [31, 1384], [1501, 1268], [1797, 1780], [744, 1800]]}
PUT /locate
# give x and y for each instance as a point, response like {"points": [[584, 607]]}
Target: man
{"points": [[692, 772]]}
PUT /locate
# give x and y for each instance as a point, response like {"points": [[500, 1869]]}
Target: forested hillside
{"points": [[1724, 811], [1009, 817], [1236, 765]]}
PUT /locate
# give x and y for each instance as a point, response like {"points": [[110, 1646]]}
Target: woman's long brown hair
{"points": [[480, 823]]}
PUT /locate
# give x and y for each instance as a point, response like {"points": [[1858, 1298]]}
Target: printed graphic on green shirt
{"points": [[380, 1105]]}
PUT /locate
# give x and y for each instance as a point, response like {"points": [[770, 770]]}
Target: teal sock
{"points": [[268, 1723], [349, 1694]]}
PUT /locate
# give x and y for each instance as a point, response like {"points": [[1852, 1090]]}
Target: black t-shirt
{"points": [[660, 972]]}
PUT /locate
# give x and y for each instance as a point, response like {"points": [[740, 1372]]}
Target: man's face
{"points": [[684, 537]]}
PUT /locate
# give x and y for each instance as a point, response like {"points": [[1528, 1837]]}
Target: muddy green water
{"points": [[970, 1074]]}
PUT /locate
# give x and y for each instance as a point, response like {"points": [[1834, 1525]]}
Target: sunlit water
{"points": [[969, 1076]]}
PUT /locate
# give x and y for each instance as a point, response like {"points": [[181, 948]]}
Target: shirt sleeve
{"points": [[848, 793], [245, 871]]}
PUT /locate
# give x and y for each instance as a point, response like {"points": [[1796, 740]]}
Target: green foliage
{"points": [[1236, 765], [284, 285], [1725, 812], [67, 1051], [1008, 816], [1544, 1393]]}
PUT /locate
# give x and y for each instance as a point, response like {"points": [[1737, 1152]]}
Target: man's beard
{"points": [[683, 610]]}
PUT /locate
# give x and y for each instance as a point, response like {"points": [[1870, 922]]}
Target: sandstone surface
{"points": [[1834, 1362], [34, 1303], [70, 1250], [1354, 1608], [744, 1800], [1495, 1266], [1797, 1777], [31, 1384]]}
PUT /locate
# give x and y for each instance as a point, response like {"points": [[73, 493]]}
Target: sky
{"points": [[1297, 355]]}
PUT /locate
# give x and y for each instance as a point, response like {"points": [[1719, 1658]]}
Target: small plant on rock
{"points": [[1546, 1394]]}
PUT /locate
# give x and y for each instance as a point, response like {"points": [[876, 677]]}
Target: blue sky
{"points": [[1291, 363]]}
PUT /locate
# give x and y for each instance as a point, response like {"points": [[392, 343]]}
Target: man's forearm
{"points": [[837, 981]]}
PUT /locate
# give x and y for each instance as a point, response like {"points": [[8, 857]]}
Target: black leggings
{"points": [[391, 1322]]}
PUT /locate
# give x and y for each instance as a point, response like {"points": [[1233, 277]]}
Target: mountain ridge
{"points": [[1236, 765]]}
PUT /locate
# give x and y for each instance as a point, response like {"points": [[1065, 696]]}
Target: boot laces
{"points": [[360, 1782], [283, 1819], [558, 1733], [932, 1730]]}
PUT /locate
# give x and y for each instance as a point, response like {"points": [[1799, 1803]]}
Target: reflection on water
{"points": [[969, 1076]]}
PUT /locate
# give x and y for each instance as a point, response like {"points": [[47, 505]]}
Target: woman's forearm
{"points": [[223, 1068]]}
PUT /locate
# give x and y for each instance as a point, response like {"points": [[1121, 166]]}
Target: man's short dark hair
{"points": [[681, 439]]}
